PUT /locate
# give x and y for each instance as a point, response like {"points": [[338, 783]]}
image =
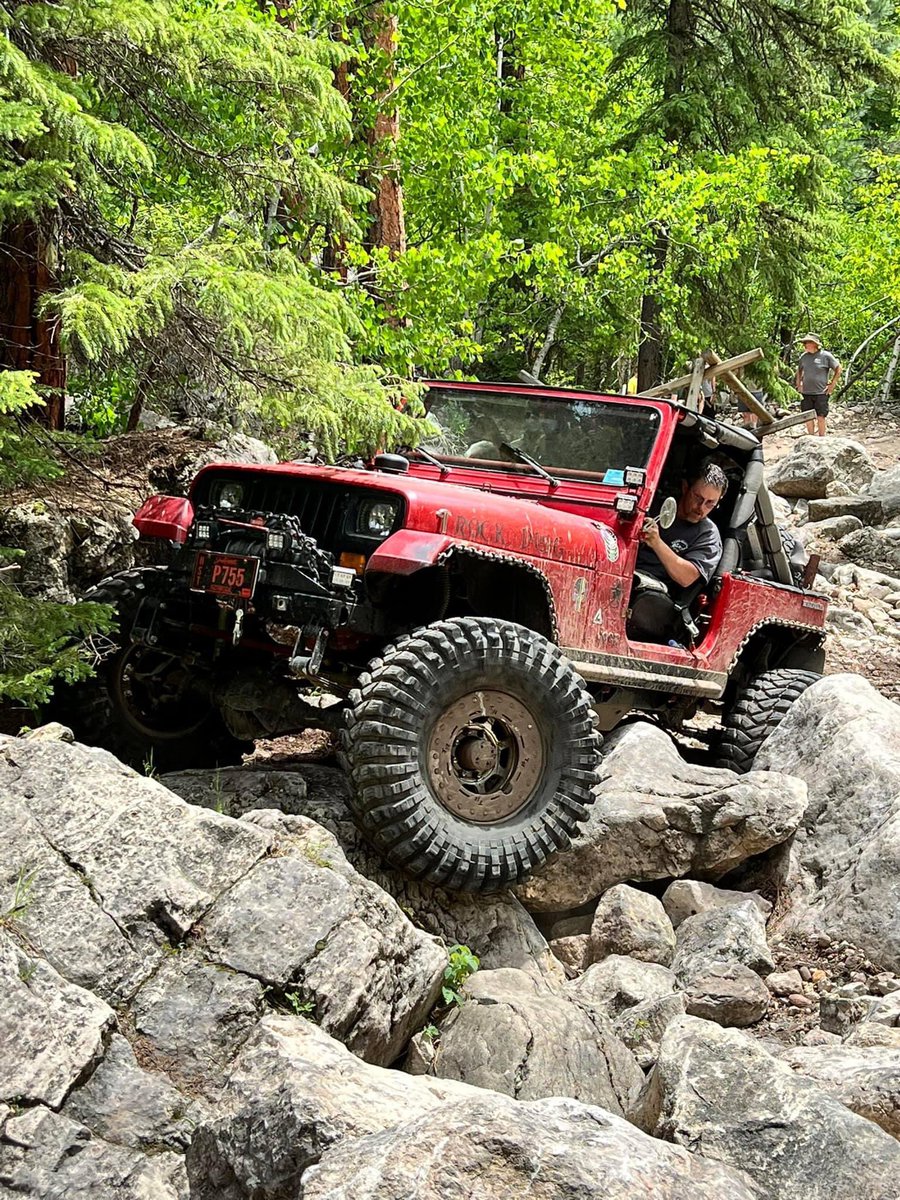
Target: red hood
{"points": [[475, 515]]}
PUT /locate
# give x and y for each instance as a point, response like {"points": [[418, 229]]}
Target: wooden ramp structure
{"points": [[709, 366]]}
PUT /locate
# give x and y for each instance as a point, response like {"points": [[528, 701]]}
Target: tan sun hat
{"points": [[812, 337]]}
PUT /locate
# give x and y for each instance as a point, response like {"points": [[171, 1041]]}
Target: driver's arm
{"points": [[680, 570]]}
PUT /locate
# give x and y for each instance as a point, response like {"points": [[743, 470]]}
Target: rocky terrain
{"points": [[213, 989], [841, 495]]}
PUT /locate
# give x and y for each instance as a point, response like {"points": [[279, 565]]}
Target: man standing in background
{"points": [[817, 374]]}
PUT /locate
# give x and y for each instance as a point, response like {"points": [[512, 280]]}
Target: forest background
{"points": [[277, 217]]}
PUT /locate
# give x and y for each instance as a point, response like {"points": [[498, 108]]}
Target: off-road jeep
{"points": [[459, 613]]}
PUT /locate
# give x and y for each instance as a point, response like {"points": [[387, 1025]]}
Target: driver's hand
{"points": [[650, 535]]}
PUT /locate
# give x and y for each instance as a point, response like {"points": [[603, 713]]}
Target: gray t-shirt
{"points": [[815, 369], [699, 542]]}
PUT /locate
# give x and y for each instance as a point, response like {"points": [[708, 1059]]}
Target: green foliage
{"points": [[175, 150], [42, 642], [462, 963]]}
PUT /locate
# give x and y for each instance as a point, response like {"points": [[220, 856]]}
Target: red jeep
{"points": [[459, 613]]}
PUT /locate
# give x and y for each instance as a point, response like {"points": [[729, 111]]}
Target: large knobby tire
{"points": [[759, 708], [472, 750], [143, 704]]}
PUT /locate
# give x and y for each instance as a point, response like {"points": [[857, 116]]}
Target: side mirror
{"points": [[667, 513]]}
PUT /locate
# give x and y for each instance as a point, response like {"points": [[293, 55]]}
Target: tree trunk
{"points": [[679, 38], [650, 345], [29, 342], [388, 228], [884, 393]]}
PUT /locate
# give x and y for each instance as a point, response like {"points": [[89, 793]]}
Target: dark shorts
{"points": [[818, 402]]}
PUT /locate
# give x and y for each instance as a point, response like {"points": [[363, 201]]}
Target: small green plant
{"points": [[150, 766], [462, 964], [21, 899], [299, 1006], [221, 801], [431, 1033]]}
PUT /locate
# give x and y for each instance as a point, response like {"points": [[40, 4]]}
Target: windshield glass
{"points": [[585, 437]]}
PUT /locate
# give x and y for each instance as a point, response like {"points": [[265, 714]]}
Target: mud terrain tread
{"points": [[759, 708], [392, 800]]}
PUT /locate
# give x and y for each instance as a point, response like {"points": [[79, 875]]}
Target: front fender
{"points": [[167, 517], [408, 551]]}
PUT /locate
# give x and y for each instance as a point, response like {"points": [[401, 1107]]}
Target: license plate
{"points": [[225, 574]]}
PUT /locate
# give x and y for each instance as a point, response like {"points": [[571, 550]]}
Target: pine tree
{"points": [[144, 148]]}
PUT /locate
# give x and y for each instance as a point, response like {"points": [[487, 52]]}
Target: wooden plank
{"points": [[715, 367], [740, 388], [784, 423]]}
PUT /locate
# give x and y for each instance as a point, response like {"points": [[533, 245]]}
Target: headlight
{"points": [[229, 495], [377, 518]]}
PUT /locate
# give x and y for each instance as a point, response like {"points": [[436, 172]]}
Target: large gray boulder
{"points": [[367, 974], [884, 484], [497, 928], [51, 1031], [495, 1148], [125, 1104], [866, 509], [657, 816], [65, 552], [877, 549], [192, 1016], [842, 738], [120, 869], [46, 1156], [631, 922], [719, 958], [123, 872], [819, 467], [641, 1028], [513, 1035], [721, 1094], [292, 1093], [686, 897], [618, 983], [866, 1079]]}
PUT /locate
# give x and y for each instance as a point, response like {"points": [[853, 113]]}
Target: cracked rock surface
{"points": [[142, 940], [513, 1035]]}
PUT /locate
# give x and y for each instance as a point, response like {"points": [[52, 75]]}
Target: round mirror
{"points": [[668, 512]]}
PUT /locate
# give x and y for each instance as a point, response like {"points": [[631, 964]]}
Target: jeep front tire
{"points": [[472, 751]]}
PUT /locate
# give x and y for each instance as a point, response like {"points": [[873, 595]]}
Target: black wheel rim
{"points": [[157, 695]]}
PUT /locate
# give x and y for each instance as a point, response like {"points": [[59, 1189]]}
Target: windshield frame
{"points": [[489, 394]]}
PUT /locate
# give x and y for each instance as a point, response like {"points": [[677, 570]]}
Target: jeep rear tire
{"points": [[143, 704], [472, 750], [759, 708]]}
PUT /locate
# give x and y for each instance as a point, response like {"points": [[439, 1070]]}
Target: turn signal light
{"points": [[355, 562]]}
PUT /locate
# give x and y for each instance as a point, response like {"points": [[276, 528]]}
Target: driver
{"points": [[673, 559]]}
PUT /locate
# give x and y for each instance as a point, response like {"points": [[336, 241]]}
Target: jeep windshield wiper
{"points": [[532, 462], [429, 457]]}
